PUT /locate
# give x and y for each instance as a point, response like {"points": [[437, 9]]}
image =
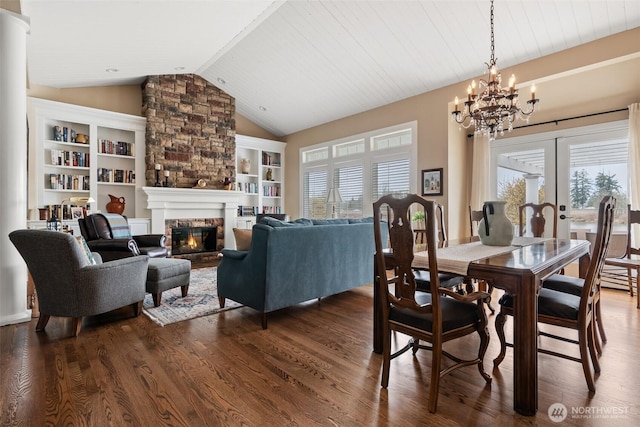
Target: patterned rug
{"points": [[202, 300]]}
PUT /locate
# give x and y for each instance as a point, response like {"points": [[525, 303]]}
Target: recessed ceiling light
{"points": [[112, 70], [221, 81], [179, 68], [262, 108]]}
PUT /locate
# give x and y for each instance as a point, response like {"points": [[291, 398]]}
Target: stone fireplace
{"points": [[193, 207]]}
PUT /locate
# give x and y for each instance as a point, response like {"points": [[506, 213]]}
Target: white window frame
{"points": [[365, 159]]}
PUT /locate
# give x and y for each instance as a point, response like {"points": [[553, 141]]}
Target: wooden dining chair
{"points": [[538, 220], [435, 317], [447, 280], [570, 311], [474, 219], [619, 269]]}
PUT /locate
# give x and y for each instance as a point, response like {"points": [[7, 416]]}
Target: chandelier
{"points": [[494, 108]]}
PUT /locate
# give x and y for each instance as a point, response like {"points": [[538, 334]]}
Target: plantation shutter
{"points": [[389, 177], [349, 180], [314, 194]]}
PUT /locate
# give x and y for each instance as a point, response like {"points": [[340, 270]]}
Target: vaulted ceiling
{"points": [[296, 64]]}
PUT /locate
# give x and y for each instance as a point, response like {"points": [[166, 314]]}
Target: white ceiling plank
{"points": [[307, 62]]}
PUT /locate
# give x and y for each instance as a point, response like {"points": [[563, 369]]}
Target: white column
{"points": [[13, 164], [531, 196]]}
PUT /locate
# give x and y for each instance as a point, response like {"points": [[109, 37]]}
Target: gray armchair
{"points": [[68, 285]]}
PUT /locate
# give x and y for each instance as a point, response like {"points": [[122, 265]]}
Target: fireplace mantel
{"points": [[178, 203]]}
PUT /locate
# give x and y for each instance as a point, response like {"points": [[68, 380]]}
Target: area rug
{"points": [[202, 300]]}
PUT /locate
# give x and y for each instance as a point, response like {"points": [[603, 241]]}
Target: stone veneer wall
{"points": [[190, 130]]}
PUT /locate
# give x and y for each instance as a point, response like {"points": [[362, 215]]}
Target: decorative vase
{"points": [[116, 205], [269, 174], [495, 229], [245, 165]]}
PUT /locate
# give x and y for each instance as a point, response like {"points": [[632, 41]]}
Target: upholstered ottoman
{"points": [[167, 273]]}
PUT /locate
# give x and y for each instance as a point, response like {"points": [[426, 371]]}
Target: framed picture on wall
{"points": [[431, 182], [77, 212]]}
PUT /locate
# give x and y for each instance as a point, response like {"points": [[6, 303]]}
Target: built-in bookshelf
{"points": [[259, 175], [76, 153]]}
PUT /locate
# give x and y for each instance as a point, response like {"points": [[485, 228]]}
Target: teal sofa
{"points": [[292, 262]]}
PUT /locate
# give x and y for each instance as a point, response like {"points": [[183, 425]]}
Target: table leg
{"points": [[525, 346]]}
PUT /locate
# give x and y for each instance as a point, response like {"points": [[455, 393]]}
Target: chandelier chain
{"points": [[493, 47]]}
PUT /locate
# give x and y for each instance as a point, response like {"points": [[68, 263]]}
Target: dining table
{"points": [[519, 270]]}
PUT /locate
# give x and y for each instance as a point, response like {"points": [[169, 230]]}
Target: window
{"points": [[363, 167]]}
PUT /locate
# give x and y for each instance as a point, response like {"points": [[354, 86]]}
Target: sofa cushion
{"points": [[361, 220], [243, 238], [330, 221], [275, 223]]}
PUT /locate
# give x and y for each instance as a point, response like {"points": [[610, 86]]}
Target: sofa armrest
{"points": [[114, 245], [233, 254], [148, 240]]}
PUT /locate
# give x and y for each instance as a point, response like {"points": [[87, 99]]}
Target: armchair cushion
{"points": [[88, 256], [243, 238]]}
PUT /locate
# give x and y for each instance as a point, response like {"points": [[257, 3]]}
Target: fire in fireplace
{"points": [[189, 240]]}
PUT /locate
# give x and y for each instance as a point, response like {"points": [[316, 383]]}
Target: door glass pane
{"points": [[521, 179], [597, 169]]}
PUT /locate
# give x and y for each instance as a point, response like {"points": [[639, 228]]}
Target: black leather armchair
{"points": [[97, 232]]}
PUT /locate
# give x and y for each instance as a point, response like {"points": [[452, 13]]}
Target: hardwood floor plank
{"points": [[313, 366]]}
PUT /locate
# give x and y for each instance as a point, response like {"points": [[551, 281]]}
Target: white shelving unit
{"points": [[263, 184], [111, 161]]}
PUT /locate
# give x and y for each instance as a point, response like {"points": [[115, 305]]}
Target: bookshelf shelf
{"points": [[264, 178], [59, 155]]}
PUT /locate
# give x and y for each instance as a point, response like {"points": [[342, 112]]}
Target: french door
{"points": [[572, 168]]}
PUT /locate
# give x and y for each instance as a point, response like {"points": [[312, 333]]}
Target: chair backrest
{"points": [[98, 226], [52, 257], [94, 227], [474, 219], [399, 256], [600, 244], [633, 217], [441, 228], [538, 221]]}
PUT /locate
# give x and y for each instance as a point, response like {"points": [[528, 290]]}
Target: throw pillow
{"points": [[243, 238], [88, 256]]}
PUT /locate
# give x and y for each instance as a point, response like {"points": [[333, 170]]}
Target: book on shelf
{"points": [[247, 210], [119, 148], [68, 182]]}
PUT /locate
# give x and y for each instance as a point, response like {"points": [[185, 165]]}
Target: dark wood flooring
{"points": [[313, 366]]}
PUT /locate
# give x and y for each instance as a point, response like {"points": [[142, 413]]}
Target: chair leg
{"points": [[591, 339], [386, 357], [42, 322], [76, 323], [584, 357], [630, 280], [137, 308], [434, 387], [157, 299], [600, 324], [185, 290], [501, 319]]}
